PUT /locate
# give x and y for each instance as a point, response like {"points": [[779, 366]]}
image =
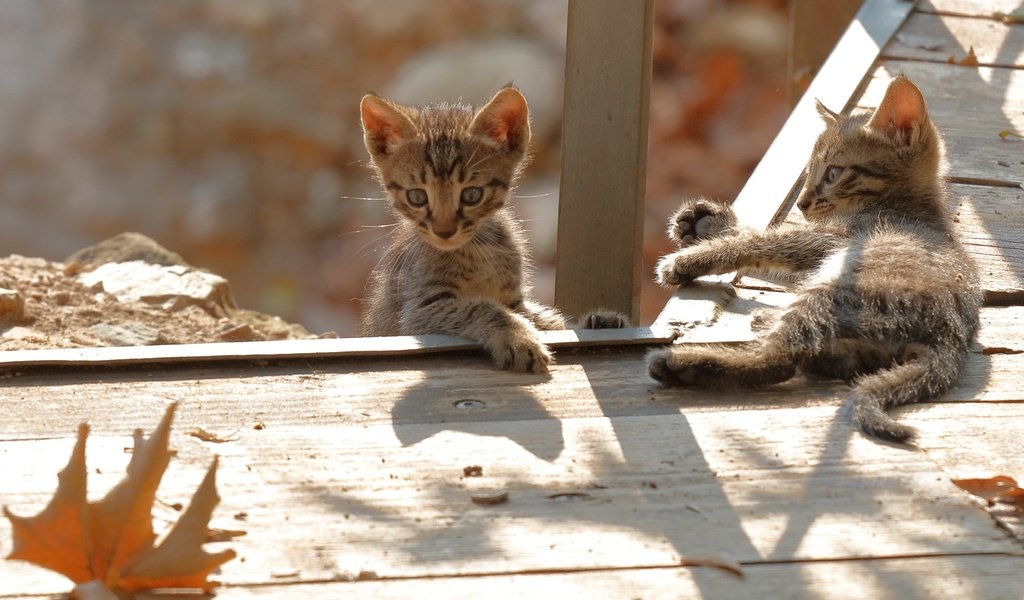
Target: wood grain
{"points": [[977, 8], [938, 38], [584, 493], [604, 156]]}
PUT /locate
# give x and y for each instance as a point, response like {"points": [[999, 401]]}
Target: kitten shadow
{"points": [[485, 406]]}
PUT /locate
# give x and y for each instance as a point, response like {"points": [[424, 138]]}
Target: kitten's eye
{"points": [[472, 196], [416, 197], [832, 173]]}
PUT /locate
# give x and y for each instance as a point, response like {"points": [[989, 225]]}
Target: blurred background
{"points": [[228, 130]]}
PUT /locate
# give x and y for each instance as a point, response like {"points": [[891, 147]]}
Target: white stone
{"points": [[175, 285]]}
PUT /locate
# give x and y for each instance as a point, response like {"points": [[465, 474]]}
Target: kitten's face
{"points": [[859, 158], [445, 169]]}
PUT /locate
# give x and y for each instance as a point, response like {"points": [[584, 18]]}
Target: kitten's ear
{"points": [[901, 112], [505, 120], [385, 127], [829, 116]]}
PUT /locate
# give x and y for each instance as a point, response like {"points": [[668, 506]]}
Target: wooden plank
{"points": [[939, 38], [313, 349], [989, 220], [991, 449], [777, 175], [814, 29], [988, 577], [327, 502], [430, 390], [604, 156], [996, 98], [977, 8]]}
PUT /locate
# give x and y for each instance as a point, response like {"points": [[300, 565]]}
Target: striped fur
{"points": [[889, 299], [457, 258]]}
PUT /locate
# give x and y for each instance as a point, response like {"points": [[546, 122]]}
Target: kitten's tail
{"points": [[931, 372]]}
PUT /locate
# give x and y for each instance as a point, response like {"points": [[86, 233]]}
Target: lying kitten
{"points": [[456, 261], [889, 299]]}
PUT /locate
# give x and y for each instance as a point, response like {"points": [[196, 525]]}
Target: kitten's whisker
{"points": [[362, 198], [544, 195]]}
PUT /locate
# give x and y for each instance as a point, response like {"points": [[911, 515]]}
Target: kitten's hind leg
{"points": [[698, 219], [722, 367]]}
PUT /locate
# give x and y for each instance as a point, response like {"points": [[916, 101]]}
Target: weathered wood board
{"points": [[977, 8], [429, 390], [989, 220], [976, 444], [584, 493], [970, 105], [936, 38], [954, 577]]}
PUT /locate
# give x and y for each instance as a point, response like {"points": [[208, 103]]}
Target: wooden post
{"points": [[604, 155], [814, 29]]}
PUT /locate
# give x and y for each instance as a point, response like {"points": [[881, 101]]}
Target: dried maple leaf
{"points": [[111, 541]]}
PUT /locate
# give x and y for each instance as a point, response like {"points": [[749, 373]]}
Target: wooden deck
{"points": [[345, 467]]}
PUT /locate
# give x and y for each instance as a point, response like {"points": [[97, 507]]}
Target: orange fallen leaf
{"points": [[111, 541], [1000, 488]]}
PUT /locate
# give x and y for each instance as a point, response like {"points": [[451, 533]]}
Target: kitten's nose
{"points": [[444, 234], [804, 204]]}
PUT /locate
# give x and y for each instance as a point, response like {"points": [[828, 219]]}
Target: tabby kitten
{"points": [[457, 258], [889, 299]]}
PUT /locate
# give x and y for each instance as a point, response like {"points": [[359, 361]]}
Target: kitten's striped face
{"points": [[859, 158], [446, 169]]}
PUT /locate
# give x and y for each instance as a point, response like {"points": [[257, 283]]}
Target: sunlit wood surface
{"points": [[347, 473]]}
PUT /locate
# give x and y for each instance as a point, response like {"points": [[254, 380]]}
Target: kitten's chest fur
{"points": [[490, 266]]}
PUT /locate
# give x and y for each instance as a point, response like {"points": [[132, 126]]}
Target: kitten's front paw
{"points": [[679, 268], [522, 354], [699, 219], [604, 319]]}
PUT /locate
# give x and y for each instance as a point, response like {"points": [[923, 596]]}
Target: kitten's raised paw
{"points": [[679, 268], [699, 219], [604, 319]]}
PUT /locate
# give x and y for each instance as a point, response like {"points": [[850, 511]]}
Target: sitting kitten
{"points": [[889, 300], [456, 261]]}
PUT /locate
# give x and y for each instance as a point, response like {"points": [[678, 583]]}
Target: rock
{"points": [[124, 247], [238, 333], [172, 287], [12, 305], [127, 334]]}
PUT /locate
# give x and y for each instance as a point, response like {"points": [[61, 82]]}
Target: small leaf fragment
{"points": [[971, 60], [1008, 133], [997, 489], [207, 436]]}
